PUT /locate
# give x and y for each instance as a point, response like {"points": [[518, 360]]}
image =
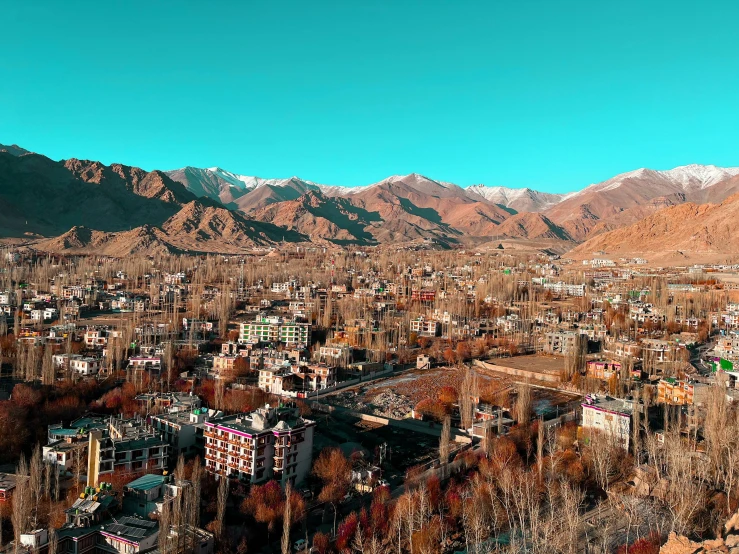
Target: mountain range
{"points": [[85, 206]]}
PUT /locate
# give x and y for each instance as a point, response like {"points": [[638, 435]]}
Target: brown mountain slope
{"points": [[531, 226], [41, 196], [637, 213], [582, 212], [206, 183], [201, 228], [686, 231], [148, 184], [412, 205], [81, 240], [261, 197], [717, 193], [195, 228], [321, 217]]}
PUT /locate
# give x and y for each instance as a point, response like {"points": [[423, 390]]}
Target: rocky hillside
{"points": [[684, 231]]}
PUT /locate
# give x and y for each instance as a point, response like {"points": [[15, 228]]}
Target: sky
{"points": [[549, 95]]}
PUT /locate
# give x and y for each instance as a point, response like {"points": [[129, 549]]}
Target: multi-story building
{"points": [[152, 364], [609, 416], [560, 342], [96, 338], [565, 289], [270, 443], [425, 327], [223, 364], [169, 402], [277, 379], [126, 445], [275, 330], [678, 392], [602, 369], [184, 431], [423, 295]]}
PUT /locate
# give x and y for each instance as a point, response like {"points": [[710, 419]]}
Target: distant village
{"points": [[368, 399]]}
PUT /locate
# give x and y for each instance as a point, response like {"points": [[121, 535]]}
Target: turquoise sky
{"points": [[549, 94]]}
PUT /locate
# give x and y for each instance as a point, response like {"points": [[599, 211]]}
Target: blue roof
{"points": [[147, 482]]}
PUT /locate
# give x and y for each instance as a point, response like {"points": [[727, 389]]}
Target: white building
{"points": [[610, 416], [84, 365], [561, 288], [425, 327], [270, 443]]}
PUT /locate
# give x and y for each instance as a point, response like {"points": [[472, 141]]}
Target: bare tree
{"points": [[53, 541], [221, 506], [444, 441], [522, 408], [468, 395], [36, 481], [286, 520], [22, 501]]}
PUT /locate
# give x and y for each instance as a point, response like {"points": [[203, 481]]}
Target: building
{"points": [[276, 380], [426, 327], [169, 402], [610, 416], [98, 522], [84, 365], [560, 342], [152, 364], [676, 392], [223, 363], [270, 443], [275, 330], [126, 445], [95, 338], [184, 431], [7, 484], [602, 369], [561, 288]]}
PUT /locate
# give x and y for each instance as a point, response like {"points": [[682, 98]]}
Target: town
{"points": [[367, 399]]}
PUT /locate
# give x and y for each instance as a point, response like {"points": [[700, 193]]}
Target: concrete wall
{"points": [[548, 377]]}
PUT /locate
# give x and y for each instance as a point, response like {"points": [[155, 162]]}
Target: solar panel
{"points": [[115, 528], [137, 522]]}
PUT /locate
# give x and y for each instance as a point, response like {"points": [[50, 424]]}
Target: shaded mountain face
{"points": [[202, 228], [205, 183], [323, 218], [146, 240], [45, 197], [14, 150], [413, 204], [195, 228], [418, 204]]}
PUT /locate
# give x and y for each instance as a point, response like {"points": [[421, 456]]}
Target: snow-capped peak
{"points": [[687, 177], [700, 176], [248, 182]]}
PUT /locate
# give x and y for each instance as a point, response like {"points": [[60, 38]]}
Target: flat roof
{"points": [[147, 482]]}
